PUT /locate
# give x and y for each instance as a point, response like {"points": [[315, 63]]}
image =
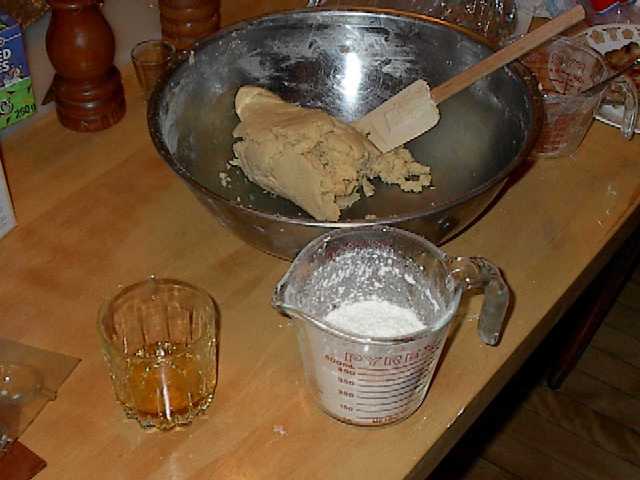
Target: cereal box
{"points": [[16, 94]]}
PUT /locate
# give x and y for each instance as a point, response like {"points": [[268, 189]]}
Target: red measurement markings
{"points": [[383, 363], [377, 418], [395, 398], [346, 393], [337, 362], [396, 410], [395, 382], [384, 382], [346, 371], [385, 408], [387, 419], [381, 372], [390, 379], [346, 381], [383, 393]]}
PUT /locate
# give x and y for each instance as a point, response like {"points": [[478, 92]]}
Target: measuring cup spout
{"points": [[478, 272], [286, 310], [279, 299]]}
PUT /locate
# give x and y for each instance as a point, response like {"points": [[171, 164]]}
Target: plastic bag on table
{"points": [[29, 378], [493, 19]]}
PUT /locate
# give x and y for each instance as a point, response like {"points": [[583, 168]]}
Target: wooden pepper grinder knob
{"points": [[87, 86], [183, 22]]}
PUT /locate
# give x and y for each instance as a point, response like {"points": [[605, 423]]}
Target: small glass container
{"points": [[151, 58], [159, 341]]}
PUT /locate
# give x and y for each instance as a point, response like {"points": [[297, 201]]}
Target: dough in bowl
{"points": [[311, 158]]}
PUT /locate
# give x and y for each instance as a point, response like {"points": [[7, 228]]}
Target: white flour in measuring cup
{"points": [[374, 318]]}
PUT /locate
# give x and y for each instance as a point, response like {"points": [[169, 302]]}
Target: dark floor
{"points": [[588, 429]]}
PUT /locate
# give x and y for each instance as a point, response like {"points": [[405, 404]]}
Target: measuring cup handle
{"points": [[478, 272], [630, 115]]}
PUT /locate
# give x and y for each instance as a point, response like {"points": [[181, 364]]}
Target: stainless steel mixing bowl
{"points": [[346, 62]]}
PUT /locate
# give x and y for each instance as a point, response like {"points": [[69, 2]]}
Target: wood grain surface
{"points": [[99, 210]]}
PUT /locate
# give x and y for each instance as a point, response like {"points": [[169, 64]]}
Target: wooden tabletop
{"points": [[102, 209]]}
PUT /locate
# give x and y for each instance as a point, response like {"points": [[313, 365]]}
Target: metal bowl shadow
{"points": [[346, 62]]}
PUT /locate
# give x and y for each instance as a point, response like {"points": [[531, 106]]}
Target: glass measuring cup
{"points": [[364, 379], [566, 69]]}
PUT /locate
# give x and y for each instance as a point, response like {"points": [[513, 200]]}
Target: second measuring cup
{"points": [[377, 370], [566, 69]]}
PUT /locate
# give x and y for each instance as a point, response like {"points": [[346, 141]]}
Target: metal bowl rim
{"points": [[525, 75]]}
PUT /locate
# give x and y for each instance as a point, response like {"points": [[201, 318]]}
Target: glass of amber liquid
{"points": [[159, 339]]}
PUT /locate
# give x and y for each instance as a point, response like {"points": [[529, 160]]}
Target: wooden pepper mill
{"points": [[183, 22], [87, 86]]}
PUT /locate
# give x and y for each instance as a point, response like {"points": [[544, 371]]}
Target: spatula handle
{"points": [[502, 57]]}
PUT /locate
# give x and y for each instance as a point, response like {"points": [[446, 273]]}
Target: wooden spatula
{"points": [[410, 112]]}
